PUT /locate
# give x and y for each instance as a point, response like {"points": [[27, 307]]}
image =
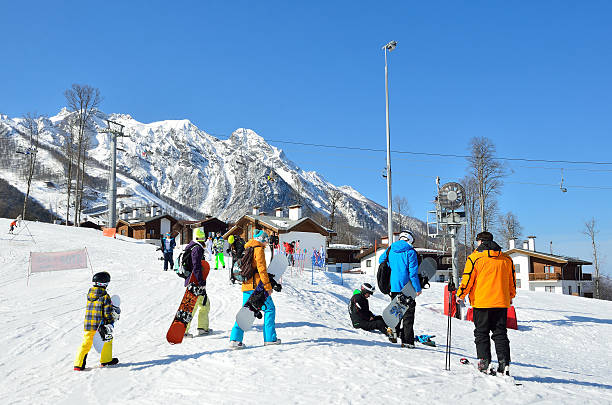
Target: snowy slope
{"points": [[224, 178], [561, 354]]}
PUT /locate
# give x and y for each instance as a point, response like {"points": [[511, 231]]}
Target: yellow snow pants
{"points": [[203, 313], [105, 356]]}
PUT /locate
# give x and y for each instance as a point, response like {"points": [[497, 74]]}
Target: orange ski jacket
{"points": [[488, 279], [258, 263]]}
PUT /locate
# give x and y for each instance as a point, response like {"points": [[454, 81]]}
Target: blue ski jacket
{"points": [[404, 264]]}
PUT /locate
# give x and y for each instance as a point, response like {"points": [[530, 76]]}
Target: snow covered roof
{"points": [[548, 256], [343, 246]]}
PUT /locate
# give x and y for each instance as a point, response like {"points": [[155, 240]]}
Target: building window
{"points": [[549, 269], [518, 283], [549, 288], [517, 268], [368, 263], [569, 290]]}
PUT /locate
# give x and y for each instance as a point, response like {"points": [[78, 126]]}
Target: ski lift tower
{"points": [[113, 133], [447, 218]]}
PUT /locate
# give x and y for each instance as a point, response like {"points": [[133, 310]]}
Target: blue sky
{"points": [[534, 77]]}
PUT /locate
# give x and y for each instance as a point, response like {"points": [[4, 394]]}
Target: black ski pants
{"points": [[376, 324], [168, 260], [491, 320], [405, 328]]}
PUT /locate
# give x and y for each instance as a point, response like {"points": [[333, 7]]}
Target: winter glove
{"points": [[116, 313], [106, 332], [277, 287]]}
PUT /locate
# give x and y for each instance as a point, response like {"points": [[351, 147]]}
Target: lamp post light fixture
{"points": [[389, 47]]}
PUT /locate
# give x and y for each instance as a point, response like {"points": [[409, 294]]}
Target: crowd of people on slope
{"points": [[488, 280]]}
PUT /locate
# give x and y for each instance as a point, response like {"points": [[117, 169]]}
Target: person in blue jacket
{"points": [[404, 264], [167, 247]]}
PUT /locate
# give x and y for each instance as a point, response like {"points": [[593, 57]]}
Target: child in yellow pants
{"points": [[99, 310], [202, 306]]}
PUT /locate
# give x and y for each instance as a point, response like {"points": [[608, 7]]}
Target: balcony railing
{"points": [[544, 276]]}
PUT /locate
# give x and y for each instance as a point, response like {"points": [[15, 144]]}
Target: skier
{"points": [[218, 245], [167, 246], [490, 281], [289, 250], [404, 265], [99, 310], [13, 226], [236, 249], [258, 243], [362, 317], [209, 247], [273, 243], [200, 269]]}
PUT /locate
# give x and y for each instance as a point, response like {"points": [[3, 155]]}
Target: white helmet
{"points": [[408, 236]]}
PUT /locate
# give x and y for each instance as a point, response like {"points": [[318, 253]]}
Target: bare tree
{"points": [[30, 124], [591, 230], [471, 212], [401, 210], [69, 129], [334, 197], [488, 174], [509, 228], [82, 100]]}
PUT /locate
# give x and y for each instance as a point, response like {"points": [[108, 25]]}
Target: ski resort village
{"points": [[334, 203]]}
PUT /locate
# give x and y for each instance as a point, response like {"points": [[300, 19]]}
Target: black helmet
{"points": [[101, 279], [367, 288]]}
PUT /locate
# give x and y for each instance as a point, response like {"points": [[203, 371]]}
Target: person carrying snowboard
{"points": [[200, 268], [218, 245], [362, 317], [404, 264], [273, 243], [99, 310], [258, 243], [490, 281], [236, 249], [167, 247]]}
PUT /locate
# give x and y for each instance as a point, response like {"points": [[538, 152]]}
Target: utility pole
{"points": [[389, 47], [112, 183]]}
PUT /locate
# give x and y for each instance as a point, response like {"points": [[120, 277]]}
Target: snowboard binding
{"points": [[183, 316]]}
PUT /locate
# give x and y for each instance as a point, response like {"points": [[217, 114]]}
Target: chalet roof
{"points": [[341, 246], [421, 251], [548, 256], [280, 224], [144, 220]]}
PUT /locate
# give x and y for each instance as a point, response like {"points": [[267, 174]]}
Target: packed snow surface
{"points": [[561, 352]]}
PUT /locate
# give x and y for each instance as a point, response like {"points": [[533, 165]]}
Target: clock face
{"points": [[452, 196]]}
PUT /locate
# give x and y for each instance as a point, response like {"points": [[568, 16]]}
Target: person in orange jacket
{"points": [[490, 282], [258, 243]]}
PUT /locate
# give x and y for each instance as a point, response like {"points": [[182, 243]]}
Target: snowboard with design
{"points": [[183, 315], [395, 311], [98, 340], [252, 308]]}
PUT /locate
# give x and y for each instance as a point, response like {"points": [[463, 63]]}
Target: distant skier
{"points": [[290, 249], [218, 245], [200, 268], [404, 264], [236, 249], [12, 226], [362, 317], [490, 281], [258, 243], [99, 310], [167, 246], [209, 247]]}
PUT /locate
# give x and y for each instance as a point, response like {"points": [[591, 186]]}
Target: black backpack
{"points": [[246, 269], [383, 277], [185, 265]]}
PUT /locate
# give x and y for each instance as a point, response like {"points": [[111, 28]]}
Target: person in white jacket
{"points": [[209, 246]]}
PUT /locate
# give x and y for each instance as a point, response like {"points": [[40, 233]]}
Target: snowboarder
{"points": [[99, 310], [273, 243], [258, 243], [404, 265], [167, 247], [200, 268], [209, 247], [13, 226], [490, 282], [236, 249], [362, 317], [218, 245]]}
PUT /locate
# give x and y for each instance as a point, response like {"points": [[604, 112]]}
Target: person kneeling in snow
{"points": [[99, 310], [362, 317]]}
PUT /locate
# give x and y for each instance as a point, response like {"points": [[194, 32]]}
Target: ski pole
{"points": [[451, 288]]}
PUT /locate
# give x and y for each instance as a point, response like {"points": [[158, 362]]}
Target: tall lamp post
{"points": [[389, 47]]}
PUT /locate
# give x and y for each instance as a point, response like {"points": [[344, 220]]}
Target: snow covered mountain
{"points": [[224, 178]]}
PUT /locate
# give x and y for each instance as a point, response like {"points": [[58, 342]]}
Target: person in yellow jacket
{"points": [[490, 282], [99, 310], [258, 243]]}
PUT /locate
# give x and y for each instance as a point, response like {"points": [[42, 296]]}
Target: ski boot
{"points": [[408, 345], [202, 332], [236, 345], [82, 367], [110, 363], [503, 367], [275, 342], [483, 365]]}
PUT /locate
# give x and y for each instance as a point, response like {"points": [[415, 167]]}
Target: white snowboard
{"points": [[245, 316], [98, 343], [394, 312]]}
